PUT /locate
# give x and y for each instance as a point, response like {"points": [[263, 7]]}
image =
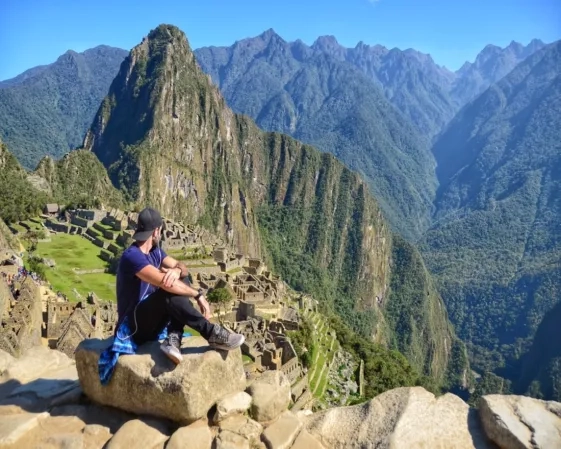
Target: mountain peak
{"points": [[325, 43], [268, 34]]}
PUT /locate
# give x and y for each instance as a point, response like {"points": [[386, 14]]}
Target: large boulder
{"points": [[400, 418], [149, 383], [520, 422], [270, 396]]}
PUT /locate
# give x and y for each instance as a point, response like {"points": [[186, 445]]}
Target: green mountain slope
{"points": [[47, 110], [78, 178], [331, 104], [19, 199], [168, 139], [496, 245], [540, 372]]}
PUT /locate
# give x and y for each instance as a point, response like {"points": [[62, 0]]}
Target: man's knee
{"points": [[179, 301]]}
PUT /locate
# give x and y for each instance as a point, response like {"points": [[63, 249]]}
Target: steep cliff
{"points": [[168, 139]]}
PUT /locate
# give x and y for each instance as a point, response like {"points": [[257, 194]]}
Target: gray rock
{"points": [[231, 440], [149, 383], [244, 426], [195, 436], [521, 422], [270, 394], [306, 441], [16, 425], [95, 436], [64, 441], [5, 361], [232, 404], [400, 418], [282, 433], [137, 433]]}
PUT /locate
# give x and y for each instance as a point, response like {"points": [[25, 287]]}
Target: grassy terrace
{"points": [[322, 356], [74, 251]]}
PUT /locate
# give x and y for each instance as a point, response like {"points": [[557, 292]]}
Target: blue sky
{"points": [[35, 32]]}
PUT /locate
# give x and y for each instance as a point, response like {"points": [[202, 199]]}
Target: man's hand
{"points": [[204, 306], [171, 275]]}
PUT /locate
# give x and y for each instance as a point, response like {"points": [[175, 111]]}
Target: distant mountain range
{"points": [[315, 97], [492, 64], [496, 242], [46, 110]]}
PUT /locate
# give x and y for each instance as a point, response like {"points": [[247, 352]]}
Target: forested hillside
{"points": [[46, 110], [496, 243]]}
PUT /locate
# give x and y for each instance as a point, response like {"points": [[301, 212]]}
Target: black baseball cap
{"points": [[148, 220]]}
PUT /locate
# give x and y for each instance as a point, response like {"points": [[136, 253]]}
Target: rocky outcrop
{"points": [[41, 378], [270, 396], [519, 422], [149, 383], [400, 418]]}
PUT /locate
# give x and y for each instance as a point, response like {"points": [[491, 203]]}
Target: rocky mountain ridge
{"points": [[329, 103]]}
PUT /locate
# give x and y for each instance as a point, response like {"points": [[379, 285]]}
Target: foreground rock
{"points": [[521, 422], [400, 418], [235, 403], [195, 436], [137, 433], [40, 379], [282, 433], [149, 383], [270, 396]]}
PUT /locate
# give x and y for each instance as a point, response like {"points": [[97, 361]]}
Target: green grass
{"points": [[246, 359], [192, 331], [73, 251]]}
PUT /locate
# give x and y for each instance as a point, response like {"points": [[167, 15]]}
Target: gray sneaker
{"points": [[172, 348], [221, 338]]}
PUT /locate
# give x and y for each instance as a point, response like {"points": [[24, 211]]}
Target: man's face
{"points": [[156, 236]]}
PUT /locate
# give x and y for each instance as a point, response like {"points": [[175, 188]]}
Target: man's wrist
{"points": [[200, 293]]}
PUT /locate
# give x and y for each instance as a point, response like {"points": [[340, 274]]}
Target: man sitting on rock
{"points": [[152, 297]]}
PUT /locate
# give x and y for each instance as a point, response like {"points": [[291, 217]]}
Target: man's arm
{"points": [[170, 262], [152, 275], [173, 270]]}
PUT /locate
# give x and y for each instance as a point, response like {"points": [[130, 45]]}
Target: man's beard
{"points": [[155, 241]]}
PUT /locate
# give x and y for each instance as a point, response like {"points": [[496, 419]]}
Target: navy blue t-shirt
{"points": [[130, 289]]}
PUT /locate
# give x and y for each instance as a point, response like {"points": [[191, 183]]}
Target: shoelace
{"points": [[174, 340], [222, 335]]}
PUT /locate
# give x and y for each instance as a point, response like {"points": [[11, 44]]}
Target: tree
{"points": [[222, 298]]}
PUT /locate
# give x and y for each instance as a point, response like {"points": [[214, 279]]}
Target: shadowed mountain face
{"points": [[47, 110], [315, 95], [168, 139], [540, 373], [496, 244]]}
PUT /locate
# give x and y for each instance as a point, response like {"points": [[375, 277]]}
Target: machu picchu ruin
{"points": [[263, 308]]}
